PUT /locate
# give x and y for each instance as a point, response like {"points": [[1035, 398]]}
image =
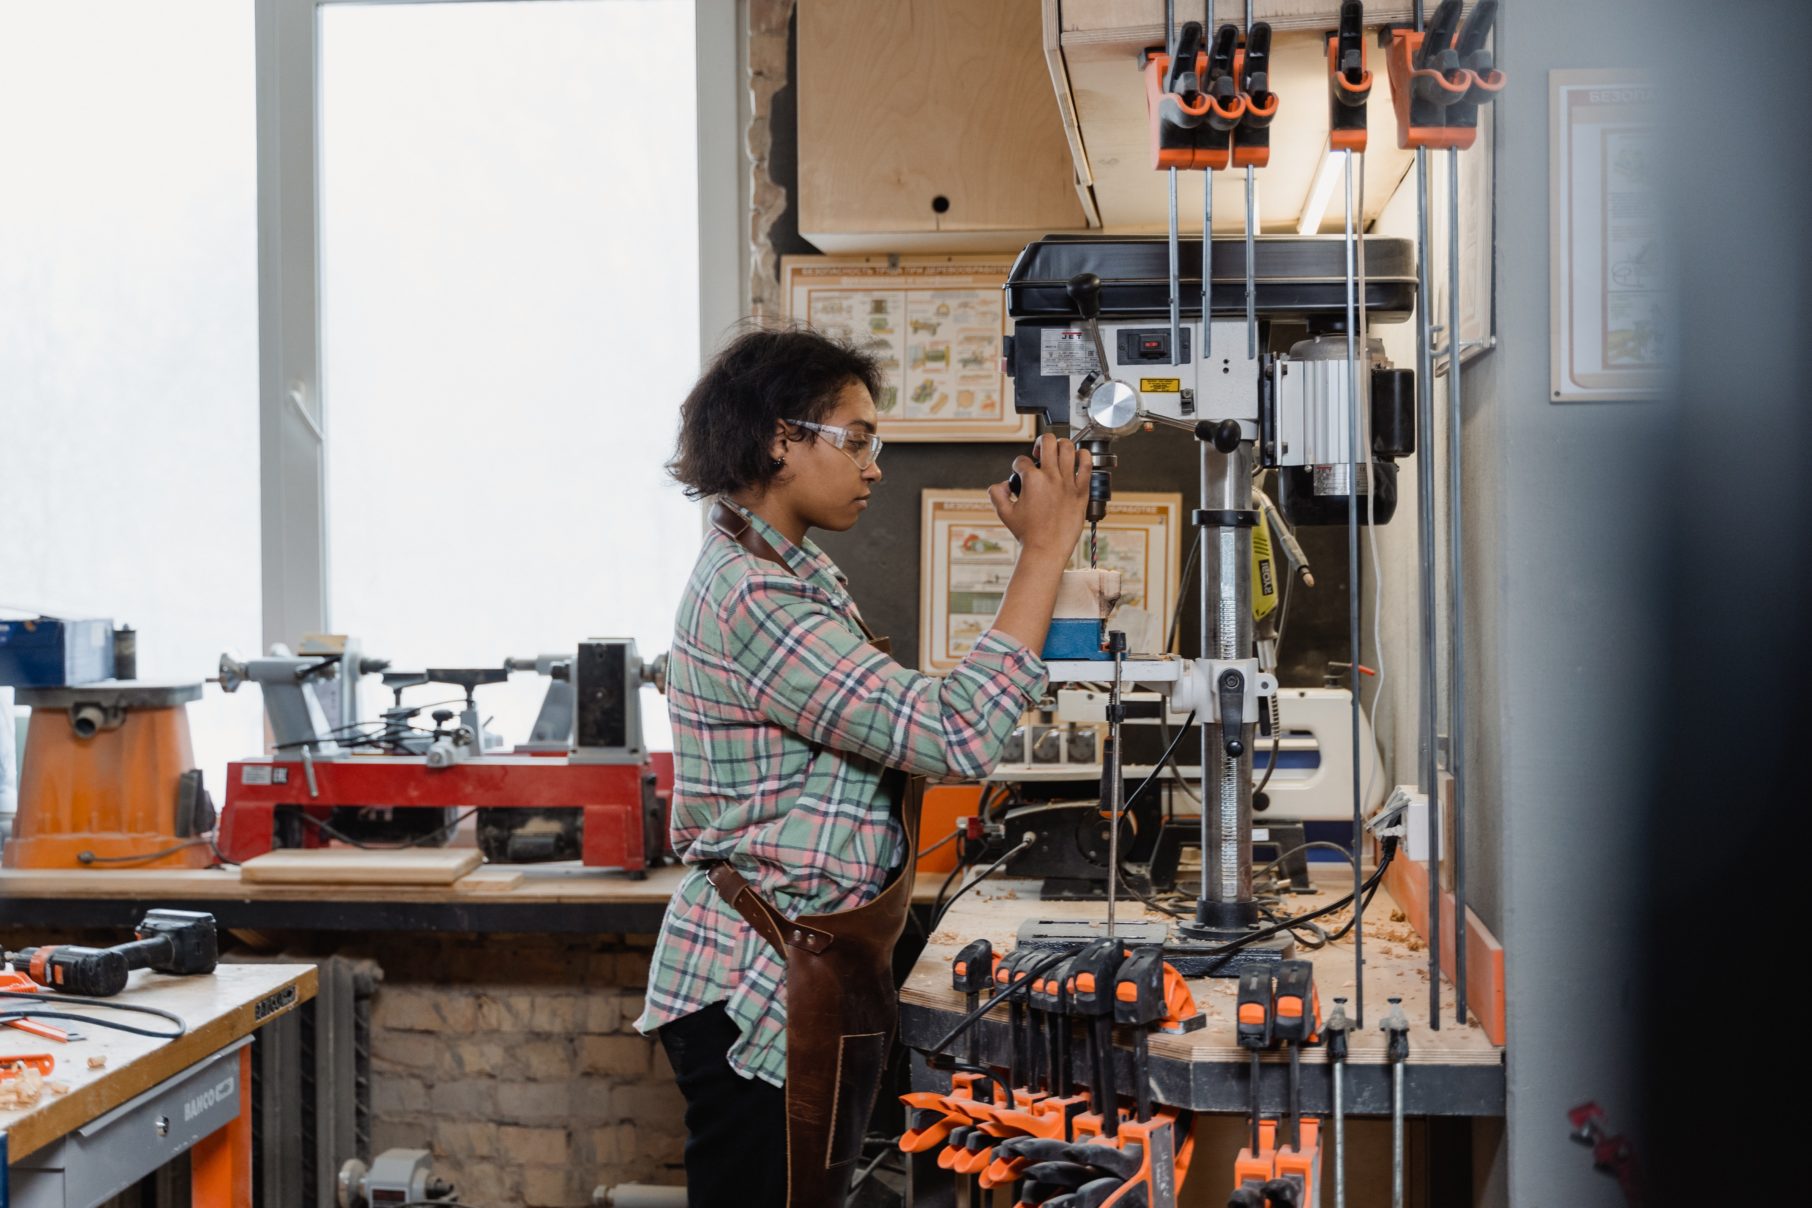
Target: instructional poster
{"points": [[935, 325], [967, 557], [1608, 266]]}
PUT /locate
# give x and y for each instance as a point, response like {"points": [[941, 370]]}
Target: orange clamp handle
{"points": [[1449, 86], [11, 1064]]}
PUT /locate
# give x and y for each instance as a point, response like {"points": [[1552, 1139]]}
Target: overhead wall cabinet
{"points": [[929, 125]]}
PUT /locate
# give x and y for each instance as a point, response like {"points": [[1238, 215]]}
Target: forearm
{"points": [[1025, 611]]}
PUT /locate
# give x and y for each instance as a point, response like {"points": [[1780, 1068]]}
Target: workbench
{"points": [[561, 898], [1456, 1071], [548, 898], [133, 1103]]}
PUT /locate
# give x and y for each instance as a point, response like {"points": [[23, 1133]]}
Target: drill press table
{"points": [[152, 1099]]}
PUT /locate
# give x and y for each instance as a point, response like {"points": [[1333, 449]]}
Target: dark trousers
{"points": [[735, 1126]]}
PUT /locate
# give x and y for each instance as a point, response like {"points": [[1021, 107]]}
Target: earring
{"points": [[776, 463]]}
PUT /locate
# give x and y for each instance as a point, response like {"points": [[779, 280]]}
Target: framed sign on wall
{"points": [[1608, 272], [966, 558], [935, 324]]}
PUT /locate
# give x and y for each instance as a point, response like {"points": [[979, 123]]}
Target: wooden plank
{"points": [[1066, 110], [217, 1010], [1407, 882], [540, 884], [995, 910], [354, 866], [902, 103], [492, 878]]}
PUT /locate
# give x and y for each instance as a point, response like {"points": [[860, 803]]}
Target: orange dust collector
{"points": [[108, 780]]}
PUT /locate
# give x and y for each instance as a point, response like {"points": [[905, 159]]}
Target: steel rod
{"points": [[1425, 487], [1354, 345], [1176, 280], [1456, 592]]}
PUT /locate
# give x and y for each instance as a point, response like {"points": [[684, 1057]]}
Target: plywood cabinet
{"points": [[929, 125]]}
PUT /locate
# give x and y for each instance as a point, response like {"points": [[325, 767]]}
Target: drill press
{"points": [[1092, 351]]}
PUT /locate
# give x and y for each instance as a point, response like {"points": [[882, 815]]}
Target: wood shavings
{"points": [[97, 1063], [57, 1088], [21, 1089], [1397, 916]]}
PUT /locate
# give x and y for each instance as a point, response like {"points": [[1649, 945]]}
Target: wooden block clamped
{"points": [[354, 866], [1085, 599]]}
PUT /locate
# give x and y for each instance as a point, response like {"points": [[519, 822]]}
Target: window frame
{"points": [[293, 420]]}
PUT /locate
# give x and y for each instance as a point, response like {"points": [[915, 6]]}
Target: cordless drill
{"points": [[169, 941]]}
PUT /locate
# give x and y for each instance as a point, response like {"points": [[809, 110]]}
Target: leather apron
{"points": [[841, 1003]]}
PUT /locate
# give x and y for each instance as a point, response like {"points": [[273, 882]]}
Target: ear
{"points": [[777, 442]]}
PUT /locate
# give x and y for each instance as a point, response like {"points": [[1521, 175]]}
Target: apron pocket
{"points": [[859, 1061]]}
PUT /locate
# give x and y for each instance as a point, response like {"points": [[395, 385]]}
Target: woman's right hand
{"points": [[1048, 513]]}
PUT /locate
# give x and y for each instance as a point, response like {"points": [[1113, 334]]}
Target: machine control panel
{"points": [[1148, 346]]}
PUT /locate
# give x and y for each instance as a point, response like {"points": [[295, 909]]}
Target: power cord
{"points": [[1231, 949], [88, 857], [1009, 854], [418, 841], [70, 1000]]}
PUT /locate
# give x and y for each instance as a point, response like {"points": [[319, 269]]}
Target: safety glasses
{"points": [[860, 447]]}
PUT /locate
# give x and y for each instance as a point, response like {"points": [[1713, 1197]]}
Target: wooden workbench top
{"points": [[996, 910], [218, 1009], [550, 884]]}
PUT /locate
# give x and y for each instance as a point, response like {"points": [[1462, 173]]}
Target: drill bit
{"points": [[1091, 545]]}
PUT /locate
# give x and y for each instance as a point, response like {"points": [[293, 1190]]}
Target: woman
{"points": [[786, 721]]}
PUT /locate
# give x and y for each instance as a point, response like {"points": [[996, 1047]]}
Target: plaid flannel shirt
{"points": [[784, 719]]}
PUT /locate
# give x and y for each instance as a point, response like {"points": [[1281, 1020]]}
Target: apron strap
{"points": [[768, 923]]}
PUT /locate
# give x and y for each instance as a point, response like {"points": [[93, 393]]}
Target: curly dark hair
{"points": [[760, 377]]}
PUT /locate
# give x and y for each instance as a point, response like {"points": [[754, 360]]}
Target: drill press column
{"points": [[1226, 902]]}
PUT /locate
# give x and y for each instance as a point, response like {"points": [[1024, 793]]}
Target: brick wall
{"points": [[514, 1060]]}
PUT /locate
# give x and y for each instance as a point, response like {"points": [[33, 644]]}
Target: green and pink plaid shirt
{"points": [[784, 719]]}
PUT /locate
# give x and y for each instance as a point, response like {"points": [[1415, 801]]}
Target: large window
{"points": [[129, 334], [509, 294]]}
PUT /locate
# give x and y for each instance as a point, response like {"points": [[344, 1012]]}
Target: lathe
{"points": [[583, 787]]}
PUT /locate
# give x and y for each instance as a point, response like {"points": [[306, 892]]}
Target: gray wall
{"points": [[1562, 624]]}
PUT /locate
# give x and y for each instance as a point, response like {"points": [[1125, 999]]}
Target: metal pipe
{"points": [[1396, 1134], [1339, 1137], [1251, 227], [1176, 281], [1118, 644], [1425, 544], [1456, 592], [1206, 649], [1354, 343], [1251, 277], [1207, 266]]}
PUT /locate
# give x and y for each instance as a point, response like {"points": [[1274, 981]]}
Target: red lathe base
{"points": [[610, 794]]}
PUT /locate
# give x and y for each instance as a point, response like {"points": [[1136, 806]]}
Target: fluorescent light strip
{"points": [[1328, 178]]}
